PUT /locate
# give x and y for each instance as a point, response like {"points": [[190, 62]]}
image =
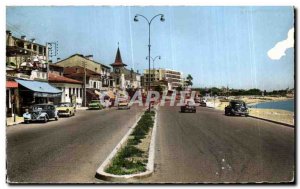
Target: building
{"points": [[25, 58], [93, 79], [56, 69], [174, 78], [124, 78], [72, 90], [26, 74], [78, 60]]}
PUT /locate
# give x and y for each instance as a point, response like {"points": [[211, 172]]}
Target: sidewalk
{"points": [[10, 120], [81, 108]]}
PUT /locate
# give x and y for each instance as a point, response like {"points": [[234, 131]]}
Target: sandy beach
{"points": [[271, 114]]}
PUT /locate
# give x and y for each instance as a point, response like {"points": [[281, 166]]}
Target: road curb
{"points": [[277, 122], [101, 174]]}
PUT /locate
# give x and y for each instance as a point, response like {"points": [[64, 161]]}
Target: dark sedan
{"points": [[188, 108], [236, 107]]}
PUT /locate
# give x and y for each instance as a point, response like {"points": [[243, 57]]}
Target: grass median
{"points": [[133, 157]]}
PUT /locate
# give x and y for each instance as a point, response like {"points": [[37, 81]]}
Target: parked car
{"points": [[188, 107], [236, 107], [123, 104], [40, 112], [66, 109], [95, 104]]}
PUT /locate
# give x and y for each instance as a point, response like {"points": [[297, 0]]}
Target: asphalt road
{"points": [[209, 147], [202, 147], [66, 151]]}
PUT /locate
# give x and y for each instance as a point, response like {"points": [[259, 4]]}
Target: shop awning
{"points": [[40, 89], [11, 84]]}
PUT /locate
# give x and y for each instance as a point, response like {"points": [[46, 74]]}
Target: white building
{"points": [[71, 89], [174, 78]]}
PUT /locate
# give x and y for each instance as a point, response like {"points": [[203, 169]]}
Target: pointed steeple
{"points": [[118, 60]]}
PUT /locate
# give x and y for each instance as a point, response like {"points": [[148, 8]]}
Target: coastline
{"points": [[278, 115]]}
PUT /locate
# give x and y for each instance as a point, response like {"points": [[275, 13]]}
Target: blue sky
{"points": [[218, 46]]}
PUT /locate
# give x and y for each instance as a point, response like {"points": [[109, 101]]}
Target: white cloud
{"points": [[279, 49]]}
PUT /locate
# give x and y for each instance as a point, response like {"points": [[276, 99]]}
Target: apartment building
{"points": [[174, 78]]}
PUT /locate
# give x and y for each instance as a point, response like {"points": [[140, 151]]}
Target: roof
{"points": [[54, 78], [118, 60], [38, 86], [78, 71], [77, 54], [11, 84], [55, 65]]}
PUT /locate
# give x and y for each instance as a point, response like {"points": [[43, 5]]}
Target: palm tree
{"points": [[189, 79]]}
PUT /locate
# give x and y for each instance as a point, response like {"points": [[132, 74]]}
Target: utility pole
{"points": [[84, 83]]}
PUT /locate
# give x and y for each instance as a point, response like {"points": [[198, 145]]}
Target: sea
{"points": [[281, 105]]}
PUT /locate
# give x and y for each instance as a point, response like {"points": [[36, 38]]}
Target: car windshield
{"points": [[39, 107], [238, 104], [64, 105], [43, 107]]}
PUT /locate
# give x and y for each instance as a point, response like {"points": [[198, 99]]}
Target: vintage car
{"points": [[188, 107], [236, 107], [95, 104], [123, 104], [40, 112], [66, 109]]}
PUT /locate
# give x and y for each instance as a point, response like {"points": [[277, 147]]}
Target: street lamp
{"points": [[162, 19], [153, 60]]}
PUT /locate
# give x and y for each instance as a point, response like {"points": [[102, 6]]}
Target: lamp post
{"points": [[153, 60], [162, 18]]}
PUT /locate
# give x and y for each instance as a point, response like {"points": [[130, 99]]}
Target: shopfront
{"points": [[11, 94], [36, 92]]}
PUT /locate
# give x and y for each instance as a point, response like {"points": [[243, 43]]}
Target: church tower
{"points": [[118, 69]]}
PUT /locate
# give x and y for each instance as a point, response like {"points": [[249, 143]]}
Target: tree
{"points": [[158, 88], [179, 88], [189, 79]]}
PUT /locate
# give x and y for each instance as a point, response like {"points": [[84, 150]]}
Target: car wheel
{"points": [[56, 118], [27, 121], [45, 119]]}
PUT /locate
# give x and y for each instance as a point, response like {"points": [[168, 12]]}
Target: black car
{"points": [[188, 108], [41, 112], [236, 107]]}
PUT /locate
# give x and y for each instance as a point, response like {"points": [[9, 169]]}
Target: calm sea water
{"points": [[282, 105]]}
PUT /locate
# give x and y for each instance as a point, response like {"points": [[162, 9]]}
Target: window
{"points": [[69, 91], [118, 81], [40, 50], [95, 85], [77, 92], [73, 91], [81, 93], [34, 47]]}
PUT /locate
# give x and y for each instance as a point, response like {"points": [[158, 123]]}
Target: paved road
{"points": [[69, 150], [210, 147]]}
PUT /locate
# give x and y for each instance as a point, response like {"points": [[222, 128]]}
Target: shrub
{"points": [[123, 163]]}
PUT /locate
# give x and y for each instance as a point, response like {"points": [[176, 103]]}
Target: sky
{"points": [[238, 47]]}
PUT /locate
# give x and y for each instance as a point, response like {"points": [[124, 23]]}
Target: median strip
{"points": [[133, 157]]}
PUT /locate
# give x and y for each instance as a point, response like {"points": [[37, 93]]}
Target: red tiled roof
{"points": [[11, 84], [54, 78], [118, 60], [78, 70]]}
